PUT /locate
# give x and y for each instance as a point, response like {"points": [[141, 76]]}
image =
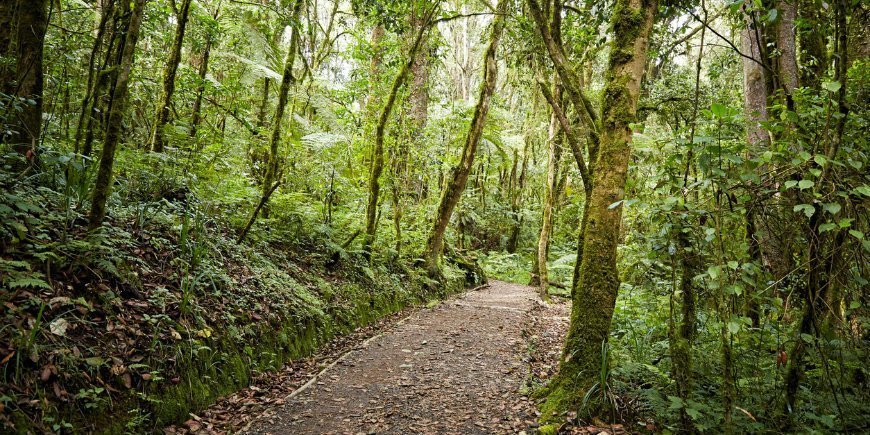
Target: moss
{"points": [[548, 429]]}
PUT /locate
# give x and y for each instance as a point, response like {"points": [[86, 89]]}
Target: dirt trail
{"points": [[456, 368]]}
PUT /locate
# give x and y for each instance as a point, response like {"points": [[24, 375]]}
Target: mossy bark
{"points": [[592, 310], [377, 166], [106, 9], [288, 80], [24, 24], [158, 141], [103, 183], [554, 158], [456, 183], [196, 118]]}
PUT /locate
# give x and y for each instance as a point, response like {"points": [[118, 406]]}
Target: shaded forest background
{"points": [[195, 191]]}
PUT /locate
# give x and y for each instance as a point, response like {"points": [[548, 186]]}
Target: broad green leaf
{"points": [[827, 227], [832, 207], [832, 86], [806, 184], [857, 234], [807, 209]]}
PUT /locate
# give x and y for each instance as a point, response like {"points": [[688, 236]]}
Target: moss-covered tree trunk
{"points": [[102, 186], [554, 157], [288, 80], [459, 175], [106, 9], [377, 166], [158, 140], [592, 310], [24, 23], [196, 118]]}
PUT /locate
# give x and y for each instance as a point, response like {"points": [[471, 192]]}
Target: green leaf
{"points": [[28, 282], [832, 207], [714, 271], [857, 234], [827, 227], [806, 208], [733, 326], [806, 184], [832, 86], [854, 305], [718, 110], [862, 189], [820, 159], [790, 183], [806, 337]]}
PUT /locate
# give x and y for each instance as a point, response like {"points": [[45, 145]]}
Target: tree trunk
{"points": [[378, 151], [456, 185], [554, 156], [203, 72], [103, 184], [592, 310], [754, 88], [106, 11], [24, 25], [288, 80], [813, 46], [158, 140], [516, 193], [785, 43]]}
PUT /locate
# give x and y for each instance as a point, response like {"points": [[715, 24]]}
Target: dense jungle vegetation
{"points": [[196, 191]]}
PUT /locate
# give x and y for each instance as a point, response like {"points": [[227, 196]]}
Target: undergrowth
{"points": [[159, 312]]}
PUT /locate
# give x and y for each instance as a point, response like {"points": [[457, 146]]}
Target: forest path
{"points": [[455, 368]]}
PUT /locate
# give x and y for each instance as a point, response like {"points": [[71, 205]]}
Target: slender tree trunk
{"points": [[813, 46], [288, 80], [378, 151], [203, 72], [516, 194], [24, 25], [456, 185], [103, 184], [554, 156], [106, 11], [264, 104], [592, 310], [377, 37], [158, 140]]}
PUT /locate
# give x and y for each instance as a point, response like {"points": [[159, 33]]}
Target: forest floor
{"points": [[465, 365]]}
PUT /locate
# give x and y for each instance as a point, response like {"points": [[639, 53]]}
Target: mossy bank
{"points": [[135, 326]]}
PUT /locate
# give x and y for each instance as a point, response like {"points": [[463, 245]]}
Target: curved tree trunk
{"points": [[158, 141], [103, 184], [592, 310], [378, 151], [456, 184], [271, 180]]}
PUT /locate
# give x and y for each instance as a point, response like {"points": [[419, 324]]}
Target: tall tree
{"points": [[103, 183], [377, 165], [592, 310], [24, 23], [211, 35], [288, 80], [459, 175], [158, 140]]}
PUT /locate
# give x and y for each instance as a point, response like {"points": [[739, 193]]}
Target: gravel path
{"points": [[455, 368]]}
